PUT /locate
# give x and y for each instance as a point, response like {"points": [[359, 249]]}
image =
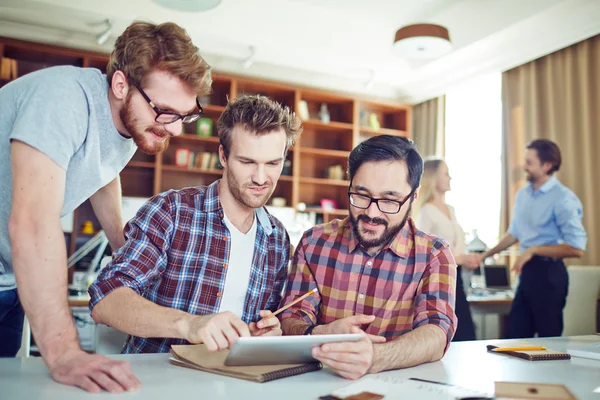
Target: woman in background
{"points": [[434, 216]]}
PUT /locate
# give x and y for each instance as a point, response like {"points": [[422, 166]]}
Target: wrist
{"points": [[183, 326], [52, 353], [319, 330], [374, 367]]}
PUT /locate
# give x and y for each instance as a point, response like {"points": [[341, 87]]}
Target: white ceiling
{"points": [[334, 44]]}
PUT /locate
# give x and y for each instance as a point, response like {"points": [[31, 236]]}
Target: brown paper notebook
{"points": [[533, 355], [198, 357]]}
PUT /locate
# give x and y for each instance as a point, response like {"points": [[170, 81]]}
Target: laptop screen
{"points": [[496, 277]]}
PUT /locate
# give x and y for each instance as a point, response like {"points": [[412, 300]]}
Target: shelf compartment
{"points": [[392, 118], [340, 108]]}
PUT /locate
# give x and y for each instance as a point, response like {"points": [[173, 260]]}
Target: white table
{"points": [[466, 364]]}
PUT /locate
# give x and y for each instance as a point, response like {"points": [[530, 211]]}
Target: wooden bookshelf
{"points": [[324, 145]]}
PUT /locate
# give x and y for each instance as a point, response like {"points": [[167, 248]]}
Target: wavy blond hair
{"points": [[431, 167]]}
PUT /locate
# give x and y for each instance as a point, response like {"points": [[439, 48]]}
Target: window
{"points": [[473, 155]]}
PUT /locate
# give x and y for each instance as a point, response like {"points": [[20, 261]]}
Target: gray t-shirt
{"points": [[64, 113]]}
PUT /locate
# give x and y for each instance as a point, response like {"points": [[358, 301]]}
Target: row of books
{"points": [[186, 158]]}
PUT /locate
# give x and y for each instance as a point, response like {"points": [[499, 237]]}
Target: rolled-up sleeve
{"points": [[569, 215], [436, 295], [143, 258], [301, 281]]}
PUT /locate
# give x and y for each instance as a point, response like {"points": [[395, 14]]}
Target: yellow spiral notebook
{"points": [[531, 355]]}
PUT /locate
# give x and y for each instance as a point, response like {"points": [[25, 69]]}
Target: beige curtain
{"points": [[429, 127], [557, 97]]}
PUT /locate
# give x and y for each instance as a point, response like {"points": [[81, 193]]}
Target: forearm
{"points": [[107, 207], [461, 259], [422, 345], [126, 311], [557, 251], [507, 241], [40, 265], [293, 326]]}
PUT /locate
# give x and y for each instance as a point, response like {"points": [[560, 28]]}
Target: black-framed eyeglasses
{"points": [[168, 117], [386, 206]]}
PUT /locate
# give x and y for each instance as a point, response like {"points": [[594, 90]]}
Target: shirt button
{"points": [[219, 294], [369, 263], [225, 238], [361, 296], [224, 265]]}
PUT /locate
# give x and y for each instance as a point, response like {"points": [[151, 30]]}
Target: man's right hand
{"points": [[344, 325], [216, 331], [93, 372]]}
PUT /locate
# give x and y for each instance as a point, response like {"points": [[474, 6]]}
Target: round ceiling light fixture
{"points": [[422, 41], [189, 5]]}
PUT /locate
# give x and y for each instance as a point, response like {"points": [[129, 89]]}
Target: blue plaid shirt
{"points": [[177, 255]]}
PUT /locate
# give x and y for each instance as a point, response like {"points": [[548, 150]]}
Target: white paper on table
{"points": [[396, 388]]}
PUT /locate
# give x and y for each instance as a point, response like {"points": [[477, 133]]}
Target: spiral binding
{"points": [[284, 373]]}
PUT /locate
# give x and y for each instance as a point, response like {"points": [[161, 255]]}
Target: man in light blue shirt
{"points": [[547, 223]]}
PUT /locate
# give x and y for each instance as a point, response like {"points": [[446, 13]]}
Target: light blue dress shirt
{"points": [[549, 216]]}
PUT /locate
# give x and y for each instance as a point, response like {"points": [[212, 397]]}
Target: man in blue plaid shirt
{"points": [[207, 264]]}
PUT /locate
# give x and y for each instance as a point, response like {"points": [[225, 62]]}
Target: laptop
{"points": [[497, 277]]}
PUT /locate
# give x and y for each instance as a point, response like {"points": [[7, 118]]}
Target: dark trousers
{"points": [[11, 323], [540, 299], [465, 329]]}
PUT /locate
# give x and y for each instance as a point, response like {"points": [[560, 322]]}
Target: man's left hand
{"points": [[267, 326], [522, 260], [351, 360]]}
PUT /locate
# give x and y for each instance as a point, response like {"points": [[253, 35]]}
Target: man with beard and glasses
{"points": [[546, 222], [68, 132], [207, 264], [376, 274]]}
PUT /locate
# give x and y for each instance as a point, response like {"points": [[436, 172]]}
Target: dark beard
{"points": [[388, 234], [146, 145]]}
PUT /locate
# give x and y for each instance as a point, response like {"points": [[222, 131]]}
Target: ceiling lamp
{"points": [[422, 41], [189, 5], [103, 36]]}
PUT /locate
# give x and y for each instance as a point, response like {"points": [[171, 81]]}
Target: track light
{"points": [[103, 36], [247, 63], [371, 81]]}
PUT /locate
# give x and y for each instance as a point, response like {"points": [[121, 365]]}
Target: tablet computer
{"points": [[275, 350]]}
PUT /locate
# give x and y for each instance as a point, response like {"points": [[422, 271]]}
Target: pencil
{"points": [[525, 348], [282, 309]]}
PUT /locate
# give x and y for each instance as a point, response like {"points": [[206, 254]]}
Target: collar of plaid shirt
{"points": [[212, 203]]}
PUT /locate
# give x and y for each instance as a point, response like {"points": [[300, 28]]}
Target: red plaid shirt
{"points": [[177, 255], [409, 283]]}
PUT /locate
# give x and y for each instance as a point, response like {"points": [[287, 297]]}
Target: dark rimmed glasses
{"points": [[168, 117], [386, 206]]}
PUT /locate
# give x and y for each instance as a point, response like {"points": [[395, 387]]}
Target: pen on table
{"points": [[282, 309], [524, 348]]}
